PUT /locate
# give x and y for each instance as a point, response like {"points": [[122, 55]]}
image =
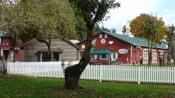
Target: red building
{"points": [[6, 45], [126, 49]]}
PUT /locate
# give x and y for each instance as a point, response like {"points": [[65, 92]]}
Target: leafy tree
{"points": [[92, 11], [81, 28], [124, 29], [149, 27], [8, 24], [113, 30], [170, 39], [41, 19], [52, 22], [105, 29]]}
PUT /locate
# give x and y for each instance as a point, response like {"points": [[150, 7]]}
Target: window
{"points": [[82, 46], [106, 36], [55, 56], [154, 55], [114, 55], [4, 41], [5, 53], [45, 56], [103, 56], [100, 36], [145, 55]]}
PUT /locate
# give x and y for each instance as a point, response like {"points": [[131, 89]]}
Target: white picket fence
{"points": [[96, 72]]}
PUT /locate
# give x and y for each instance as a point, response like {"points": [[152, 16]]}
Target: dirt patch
{"points": [[77, 92]]}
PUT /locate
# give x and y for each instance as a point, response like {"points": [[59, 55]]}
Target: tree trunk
{"points": [[13, 47], [48, 44], [172, 53], [6, 59], [49, 48], [4, 71], [72, 74], [149, 53]]}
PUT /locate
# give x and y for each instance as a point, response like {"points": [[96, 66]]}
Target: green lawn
{"points": [[28, 87]]}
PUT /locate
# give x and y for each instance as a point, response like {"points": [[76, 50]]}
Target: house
{"points": [[60, 48], [126, 49]]}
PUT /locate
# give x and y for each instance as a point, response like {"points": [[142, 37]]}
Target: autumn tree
{"points": [[148, 27], [92, 11]]}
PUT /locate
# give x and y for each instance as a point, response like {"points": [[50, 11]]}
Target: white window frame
{"points": [[145, 55], [101, 36], [106, 36]]}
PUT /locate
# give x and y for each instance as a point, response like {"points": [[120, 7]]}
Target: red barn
{"points": [[126, 49]]}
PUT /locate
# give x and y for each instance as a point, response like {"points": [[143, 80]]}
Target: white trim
{"points": [[1, 53], [41, 57], [0, 40], [106, 36], [100, 35], [131, 55]]}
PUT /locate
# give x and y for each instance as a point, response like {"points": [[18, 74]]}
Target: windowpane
{"points": [[55, 56], [45, 56]]}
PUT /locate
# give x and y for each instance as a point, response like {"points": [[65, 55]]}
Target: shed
{"points": [[60, 48]]}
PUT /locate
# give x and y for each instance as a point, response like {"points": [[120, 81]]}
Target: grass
{"points": [[28, 87]]}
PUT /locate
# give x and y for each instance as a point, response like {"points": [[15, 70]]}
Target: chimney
{"points": [[126, 30]]}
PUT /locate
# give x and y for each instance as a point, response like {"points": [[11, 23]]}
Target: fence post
{"points": [[139, 69], [35, 72], [101, 73], [8, 68], [173, 75]]}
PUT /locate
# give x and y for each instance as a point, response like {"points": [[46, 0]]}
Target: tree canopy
{"points": [[40, 17], [170, 40], [149, 27]]}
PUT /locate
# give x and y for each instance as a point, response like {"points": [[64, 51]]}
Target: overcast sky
{"points": [[131, 8]]}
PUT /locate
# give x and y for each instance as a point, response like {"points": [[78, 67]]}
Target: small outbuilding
{"points": [[60, 49]]}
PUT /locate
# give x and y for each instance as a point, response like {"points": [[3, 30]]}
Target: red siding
{"points": [[6, 43], [119, 44], [19, 55]]}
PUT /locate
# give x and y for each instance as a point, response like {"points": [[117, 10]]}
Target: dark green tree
{"points": [[93, 12], [80, 27], [171, 45]]}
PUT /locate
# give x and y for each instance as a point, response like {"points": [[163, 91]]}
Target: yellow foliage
{"points": [[149, 27]]}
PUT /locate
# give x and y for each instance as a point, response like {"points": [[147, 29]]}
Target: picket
{"points": [[130, 73]]}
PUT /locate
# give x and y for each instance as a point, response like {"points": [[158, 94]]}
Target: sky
{"points": [[131, 8]]}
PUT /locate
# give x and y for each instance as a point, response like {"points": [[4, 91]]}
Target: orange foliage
{"points": [[148, 27]]}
